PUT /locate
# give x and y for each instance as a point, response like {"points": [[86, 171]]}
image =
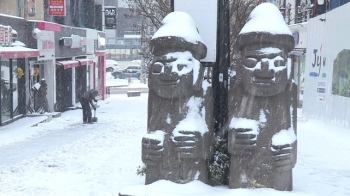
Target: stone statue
{"points": [[263, 105], [178, 142]]}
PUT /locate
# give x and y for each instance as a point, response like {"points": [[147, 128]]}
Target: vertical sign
{"points": [[5, 35], [321, 90], [46, 45], [110, 17], [57, 7], [2, 34]]}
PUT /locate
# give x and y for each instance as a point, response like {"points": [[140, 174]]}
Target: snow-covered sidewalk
{"points": [[64, 157]]}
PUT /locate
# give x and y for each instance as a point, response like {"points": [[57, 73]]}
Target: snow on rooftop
{"points": [[179, 24], [266, 17], [16, 48]]}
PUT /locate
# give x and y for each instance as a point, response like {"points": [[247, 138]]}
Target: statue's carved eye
{"points": [[180, 66], [157, 67], [279, 63], [250, 62]]}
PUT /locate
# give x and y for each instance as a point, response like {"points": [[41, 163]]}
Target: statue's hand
{"points": [[188, 144], [152, 151], [283, 157], [241, 141]]}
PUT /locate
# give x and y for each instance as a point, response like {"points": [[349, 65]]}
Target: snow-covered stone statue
{"points": [[178, 140], [262, 104]]}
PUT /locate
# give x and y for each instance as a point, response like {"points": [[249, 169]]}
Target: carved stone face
{"points": [[265, 70], [172, 75]]}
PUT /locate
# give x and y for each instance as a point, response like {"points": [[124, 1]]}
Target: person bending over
{"points": [[86, 101]]}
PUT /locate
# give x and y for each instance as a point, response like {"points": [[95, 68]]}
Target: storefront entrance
{"points": [[9, 88], [63, 89]]}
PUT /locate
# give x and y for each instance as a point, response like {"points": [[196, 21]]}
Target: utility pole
{"points": [[172, 6], [220, 69]]}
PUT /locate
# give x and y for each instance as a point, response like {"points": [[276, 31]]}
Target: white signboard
{"points": [[46, 45], [327, 68], [204, 14], [321, 90]]}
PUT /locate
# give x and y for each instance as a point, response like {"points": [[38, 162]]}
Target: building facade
{"points": [[49, 59], [15, 58]]}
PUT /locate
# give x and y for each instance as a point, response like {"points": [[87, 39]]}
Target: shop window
{"points": [[10, 74]]}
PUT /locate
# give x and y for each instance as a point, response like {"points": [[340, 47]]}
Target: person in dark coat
{"points": [[42, 103], [86, 101]]}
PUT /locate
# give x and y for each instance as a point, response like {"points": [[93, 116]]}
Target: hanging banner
{"points": [[57, 7]]}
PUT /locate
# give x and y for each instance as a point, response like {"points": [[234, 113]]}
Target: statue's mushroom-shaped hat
{"points": [[266, 27], [178, 33]]}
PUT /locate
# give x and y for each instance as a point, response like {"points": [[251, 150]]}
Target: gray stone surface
{"points": [[262, 113]]}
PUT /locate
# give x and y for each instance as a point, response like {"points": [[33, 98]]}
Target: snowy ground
{"points": [[65, 157]]}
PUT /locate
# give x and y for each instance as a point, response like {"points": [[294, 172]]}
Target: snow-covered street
{"points": [[65, 157]]}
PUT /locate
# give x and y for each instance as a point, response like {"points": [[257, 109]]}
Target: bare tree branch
{"points": [[239, 13], [155, 10]]}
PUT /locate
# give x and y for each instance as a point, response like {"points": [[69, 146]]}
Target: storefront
{"points": [[72, 66], [298, 56], [14, 68], [42, 71]]}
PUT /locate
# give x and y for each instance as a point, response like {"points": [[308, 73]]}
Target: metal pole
{"points": [[1, 98], [172, 5], [299, 81], [220, 70], [11, 89]]}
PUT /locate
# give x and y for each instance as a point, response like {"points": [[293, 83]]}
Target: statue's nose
{"points": [[168, 75], [265, 71], [264, 65], [167, 69]]}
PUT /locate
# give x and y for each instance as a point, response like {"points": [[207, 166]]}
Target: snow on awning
{"points": [[85, 61], [298, 51], [74, 63], [18, 52]]}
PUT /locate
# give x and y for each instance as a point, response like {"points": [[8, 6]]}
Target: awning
{"points": [[74, 63], [85, 61], [18, 52], [298, 51]]}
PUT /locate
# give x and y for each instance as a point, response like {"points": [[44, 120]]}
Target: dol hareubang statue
{"points": [[178, 142], [262, 105]]}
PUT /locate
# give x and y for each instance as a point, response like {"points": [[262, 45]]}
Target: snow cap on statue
{"points": [[178, 33], [266, 26]]}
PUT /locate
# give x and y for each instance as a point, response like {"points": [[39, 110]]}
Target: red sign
{"points": [[47, 26], [57, 7]]}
